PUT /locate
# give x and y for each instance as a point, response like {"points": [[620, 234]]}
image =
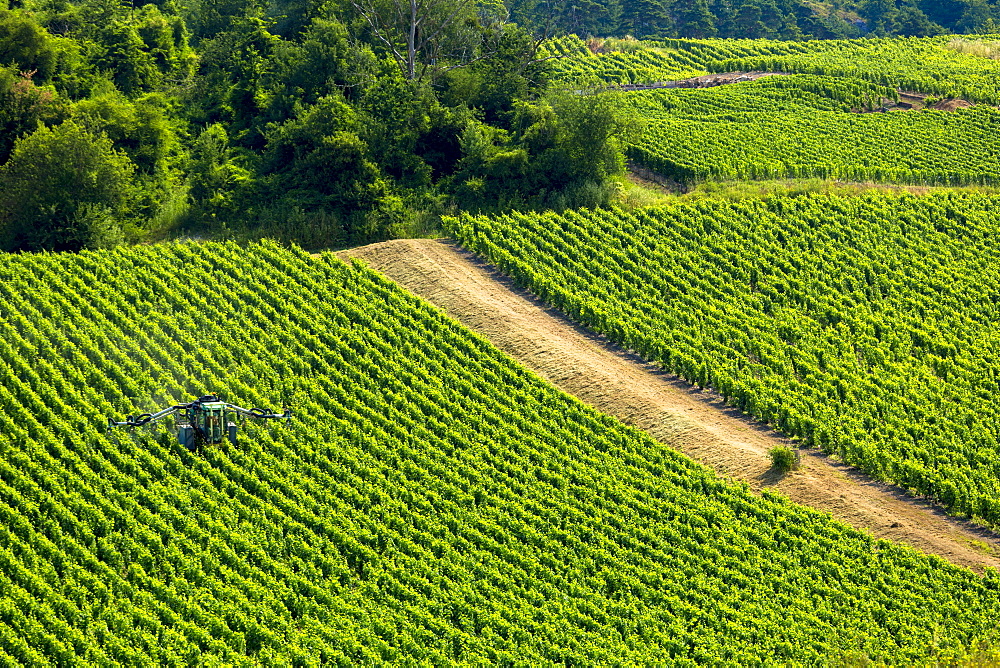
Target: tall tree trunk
{"points": [[411, 45]]}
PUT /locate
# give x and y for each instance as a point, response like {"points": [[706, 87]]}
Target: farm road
{"points": [[693, 421]]}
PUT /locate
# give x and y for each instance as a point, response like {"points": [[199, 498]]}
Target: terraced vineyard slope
{"points": [[941, 66], [432, 501], [863, 326], [571, 62], [932, 65], [803, 126]]}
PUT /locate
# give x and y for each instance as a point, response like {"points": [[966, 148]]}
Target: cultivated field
{"points": [[862, 326], [432, 501], [695, 421], [806, 126], [941, 66]]}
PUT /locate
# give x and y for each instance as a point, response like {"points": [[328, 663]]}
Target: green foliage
{"points": [[23, 105], [320, 163], [237, 115], [229, 88], [931, 65], [924, 65], [321, 63], [803, 126], [772, 19], [784, 459], [592, 131], [574, 64], [431, 503], [396, 115], [140, 128], [864, 326], [25, 46], [165, 38], [558, 154], [64, 188], [125, 57], [215, 177], [494, 86], [488, 135]]}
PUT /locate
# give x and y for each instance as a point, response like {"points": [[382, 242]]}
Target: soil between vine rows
{"points": [[694, 421]]}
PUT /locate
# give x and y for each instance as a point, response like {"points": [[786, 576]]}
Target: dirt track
{"points": [[704, 81], [693, 421]]}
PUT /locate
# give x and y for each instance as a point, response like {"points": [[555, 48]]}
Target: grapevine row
{"points": [[925, 64], [572, 63], [804, 126], [432, 502], [863, 326]]}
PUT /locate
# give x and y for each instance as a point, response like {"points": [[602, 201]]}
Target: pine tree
{"points": [[724, 15], [696, 20], [645, 19]]}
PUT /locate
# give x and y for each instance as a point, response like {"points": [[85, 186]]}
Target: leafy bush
{"points": [[784, 459], [63, 188]]}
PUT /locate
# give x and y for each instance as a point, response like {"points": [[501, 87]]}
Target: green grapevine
{"points": [[572, 63], [926, 65], [803, 126], [864, 326], [431, 503]]}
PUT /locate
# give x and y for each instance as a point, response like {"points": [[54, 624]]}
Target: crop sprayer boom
{"points": [[204, 421]]}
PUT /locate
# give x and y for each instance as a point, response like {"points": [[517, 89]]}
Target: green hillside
{"points": [[431, 501], [805, 126], [624, 62], [864, 326], [949, 66], [943, 66]]}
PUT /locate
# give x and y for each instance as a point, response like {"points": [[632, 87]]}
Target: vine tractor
{"points": [[205, 421]]}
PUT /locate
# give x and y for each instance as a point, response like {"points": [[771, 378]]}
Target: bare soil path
{"points": [[704, 81], [693, 421]]}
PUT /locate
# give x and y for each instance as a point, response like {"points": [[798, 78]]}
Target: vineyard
{"points": [[803, 126], [572, 63], [927, 65], [864, 326], [432, 502]]}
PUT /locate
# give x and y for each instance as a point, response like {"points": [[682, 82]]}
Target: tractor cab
{"points": [[207, 423]]}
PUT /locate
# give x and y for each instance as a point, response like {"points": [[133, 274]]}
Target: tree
{"points": [[429, 37], [140, 128], [912, 22], [645, 18], [943, 12], [124, 55], [23, 105], [25, 45], [319, 158], [696, 20], [494, 85], [561, 152], [322, 62], [977, 18], [214, 177], [166, 40], [588, 17], [318, 162], [64, 188], [725, 15], [229, 81], [749, 22]]}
